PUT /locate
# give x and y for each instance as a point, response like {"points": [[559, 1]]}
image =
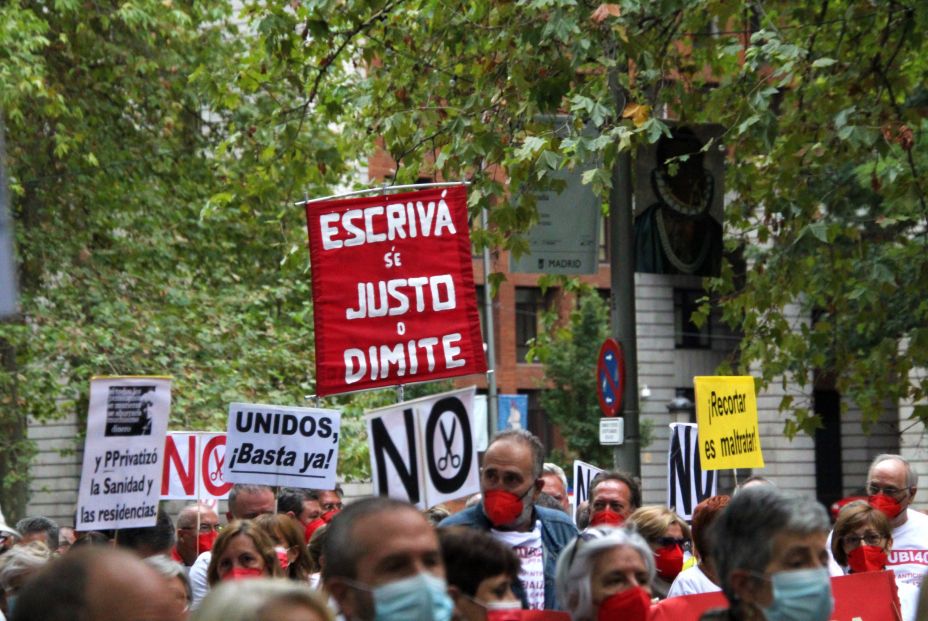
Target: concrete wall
{"points": [[56, 470]]}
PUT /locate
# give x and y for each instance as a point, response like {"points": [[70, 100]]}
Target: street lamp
{"points": [[681, 408]]}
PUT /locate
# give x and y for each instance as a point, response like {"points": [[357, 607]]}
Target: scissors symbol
{"points": [[448, 440], [216, 474]]}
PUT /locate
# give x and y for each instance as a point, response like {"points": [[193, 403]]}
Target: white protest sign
{"points": [[687, 483], [280, 445], [121, 476], [583, 474], [193, 463], [424, 451]]}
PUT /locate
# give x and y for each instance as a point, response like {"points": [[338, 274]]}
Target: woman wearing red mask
{"points": [[243, 551], [670, 540], [605, 575], [861, 541], [288, 543]]}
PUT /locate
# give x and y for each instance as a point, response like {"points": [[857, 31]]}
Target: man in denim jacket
{"points": [[510, 481]]}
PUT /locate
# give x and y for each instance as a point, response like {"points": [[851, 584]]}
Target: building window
{"points": [[530, 304], [686, 334]]}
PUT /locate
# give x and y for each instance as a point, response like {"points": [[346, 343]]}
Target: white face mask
{"points": [[510, 605]]}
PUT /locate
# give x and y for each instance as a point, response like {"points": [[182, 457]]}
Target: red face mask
{"points": [[632, 604], [888, 505], [205, 541], [669, 561], [313, 526], [504, 615], [502, 507], [243, 573], [867, 558], [608, 517], [282, 557]]}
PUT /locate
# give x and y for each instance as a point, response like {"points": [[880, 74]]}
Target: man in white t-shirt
{"points": [[510, 481], [891, 485]]}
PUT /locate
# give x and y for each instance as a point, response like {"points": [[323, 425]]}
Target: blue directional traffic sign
{"points": [[610, 377]]}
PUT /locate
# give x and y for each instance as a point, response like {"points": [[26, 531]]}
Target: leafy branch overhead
{"points": [[156, 149]]}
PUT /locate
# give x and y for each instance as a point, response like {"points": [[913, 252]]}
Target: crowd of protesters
{"points": [[303, 555]]}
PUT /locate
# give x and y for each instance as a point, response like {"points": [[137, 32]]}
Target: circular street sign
{"points": [[610, 377]]}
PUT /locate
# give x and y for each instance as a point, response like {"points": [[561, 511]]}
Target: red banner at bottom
{"points": [[868, 596]]}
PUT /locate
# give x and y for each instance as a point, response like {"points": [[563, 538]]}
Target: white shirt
{"points": [[691, 581], [527, 547], [909, 557], [198, 583]]}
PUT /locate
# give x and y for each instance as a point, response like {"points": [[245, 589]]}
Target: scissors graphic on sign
{"points": [[448, 440], [216, 474]]}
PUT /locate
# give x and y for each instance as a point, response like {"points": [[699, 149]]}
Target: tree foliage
{"points": [[569, 352], [823, 103], [156, 149]]}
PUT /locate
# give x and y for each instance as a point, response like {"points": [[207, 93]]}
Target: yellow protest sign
{"points": [[726, 411]]}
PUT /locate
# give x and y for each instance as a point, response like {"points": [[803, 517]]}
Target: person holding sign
{"points": [[861, 542], [892, 484], [510, 481], [771, 557], [605, 575]]}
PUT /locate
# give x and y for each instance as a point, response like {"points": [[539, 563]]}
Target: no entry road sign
{"points": [[610, 377]]}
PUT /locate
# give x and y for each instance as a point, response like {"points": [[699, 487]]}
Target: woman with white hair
{"points": [[16, 567], [263, 600], [605, 574], [770, 557]]}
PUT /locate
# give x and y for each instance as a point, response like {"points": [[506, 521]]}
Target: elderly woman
{"points": [[263, 600], [861, 541], [606, 573], [770, 557], [16, 567], [243, 550], [669, 538], [175, 581]]}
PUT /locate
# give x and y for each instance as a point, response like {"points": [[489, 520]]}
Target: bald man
{"points": [[96, 583]]}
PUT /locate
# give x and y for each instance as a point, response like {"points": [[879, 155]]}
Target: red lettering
{"points": [[172, 457], [212, 467]]}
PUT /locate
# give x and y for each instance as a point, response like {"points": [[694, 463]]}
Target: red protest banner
{"points": [[393, 290], [870, 596]]}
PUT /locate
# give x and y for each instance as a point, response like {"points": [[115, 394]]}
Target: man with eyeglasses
{"points": [[891, 488], [197, 529], [510, 481]]}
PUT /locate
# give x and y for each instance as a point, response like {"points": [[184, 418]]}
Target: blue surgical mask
{"points": [[422, 596], [800, 595]]}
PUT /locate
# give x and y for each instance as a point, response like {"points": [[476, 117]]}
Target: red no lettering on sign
{"points": [[393, 290]]}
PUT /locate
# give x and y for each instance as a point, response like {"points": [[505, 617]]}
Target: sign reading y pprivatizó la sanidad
{"points": [[279, 445], [127, 419], [393, 290]]}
